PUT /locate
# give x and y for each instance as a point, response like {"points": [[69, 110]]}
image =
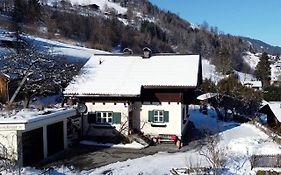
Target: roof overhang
{"points": [[102, 95], [167, 87]]}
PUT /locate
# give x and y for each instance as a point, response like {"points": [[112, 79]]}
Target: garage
{"points": [[32, 136], [32, 146], [55, 140]]}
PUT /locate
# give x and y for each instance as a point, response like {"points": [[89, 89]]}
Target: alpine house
{"points": [[125, 93]]}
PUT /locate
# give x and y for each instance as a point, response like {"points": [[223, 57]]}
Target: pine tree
{"points": [[263, 70], [223, 61]]}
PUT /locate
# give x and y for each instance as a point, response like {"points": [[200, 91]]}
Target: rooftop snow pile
{"points": [[34, 115], [125, 75]]}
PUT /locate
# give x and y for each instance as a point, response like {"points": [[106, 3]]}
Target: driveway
{"points": [[85, 157]]}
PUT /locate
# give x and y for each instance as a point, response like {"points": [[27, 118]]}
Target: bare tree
{"points": [[38, 72], [214, 155]]}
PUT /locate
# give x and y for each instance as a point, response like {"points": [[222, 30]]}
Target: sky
{"points": [[258, 19]]}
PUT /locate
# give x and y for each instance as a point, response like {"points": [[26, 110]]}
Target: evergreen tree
{"points": [[223, 61], [229, 85], [263, 70], [272, 93], [238, 98], [208, 86]]}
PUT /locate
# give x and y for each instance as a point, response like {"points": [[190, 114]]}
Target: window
{"points": [[158, 116], [104, 117]]}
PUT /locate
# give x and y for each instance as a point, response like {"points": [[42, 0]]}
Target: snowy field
{"points": [[252, 59], [67, 51], [209, 72], [103, 4], [71, 52], [237, 143]]}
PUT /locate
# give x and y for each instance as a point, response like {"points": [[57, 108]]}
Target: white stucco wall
{"points": [[93, 130], [174, 126]]}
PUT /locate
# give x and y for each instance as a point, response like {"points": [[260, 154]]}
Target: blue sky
{"points": [[259, 19]]}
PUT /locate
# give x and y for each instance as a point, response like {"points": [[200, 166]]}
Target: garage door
{"points": [[55, 138], [32, 146]]}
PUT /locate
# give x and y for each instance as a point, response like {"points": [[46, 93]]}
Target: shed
{"points": [[273, 112]]}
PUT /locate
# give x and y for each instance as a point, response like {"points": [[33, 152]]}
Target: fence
{"points": [[275, 137], [266, 161]]}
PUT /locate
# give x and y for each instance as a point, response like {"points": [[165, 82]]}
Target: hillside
{"points": [[274, 50], [113, 25]]}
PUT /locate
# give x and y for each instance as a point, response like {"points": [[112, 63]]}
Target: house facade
{"points": [[126, 93]]}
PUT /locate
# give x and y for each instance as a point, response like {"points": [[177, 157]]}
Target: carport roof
{"points": [[30, 116]]}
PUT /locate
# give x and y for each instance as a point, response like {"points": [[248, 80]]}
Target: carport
{"points": [[33, 136]]}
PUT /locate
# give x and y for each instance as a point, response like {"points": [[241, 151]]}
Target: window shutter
{"points": [[116, 118], [150, 116], [92, 117], [166, 116]]}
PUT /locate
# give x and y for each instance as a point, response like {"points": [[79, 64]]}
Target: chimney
{"points": [[127, 51], [146, 53]]}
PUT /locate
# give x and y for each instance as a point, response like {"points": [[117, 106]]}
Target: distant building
{"points": [[273, 112], [253, 84]]}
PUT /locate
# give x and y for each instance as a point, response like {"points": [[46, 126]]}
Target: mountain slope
{"points": [[102, 4], [274, 50], [136, 24]]}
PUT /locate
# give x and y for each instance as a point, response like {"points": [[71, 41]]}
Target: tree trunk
{"points": [[26, 101]]}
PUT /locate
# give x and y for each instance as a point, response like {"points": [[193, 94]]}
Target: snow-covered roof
{"points": [[123, 75], [275, 107], [256, 84], [29, 116], [5, 75]]}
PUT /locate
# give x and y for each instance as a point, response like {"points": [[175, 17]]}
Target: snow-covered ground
{"points": [[251, 59], [133, 145], [237, 143], [276, 71], [104, 5], [68, 51], [71, 52], [209, 72]]}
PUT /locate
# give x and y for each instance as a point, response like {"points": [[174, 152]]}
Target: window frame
{"points": [[157, 116], [102, 117]]}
